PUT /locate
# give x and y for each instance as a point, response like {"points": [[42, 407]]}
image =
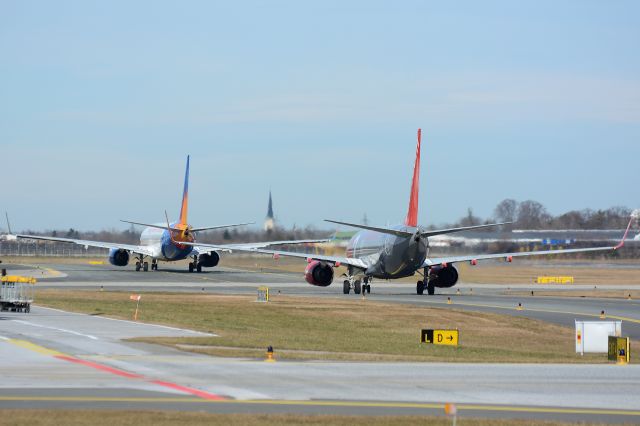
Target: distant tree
{"points": [[70, 233], [226, 235], [506, 210], [54, 233], [532, 215]]}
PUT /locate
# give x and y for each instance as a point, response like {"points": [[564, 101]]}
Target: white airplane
{"points": [[168, 244], [400, 251]]}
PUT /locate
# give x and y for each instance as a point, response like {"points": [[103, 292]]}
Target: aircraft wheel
{"points": [[368, 288], [346, 287], [191, 267], [431, 289], [199, 268], [145, 266], [420, 287], [357, 287], [138, 266]]}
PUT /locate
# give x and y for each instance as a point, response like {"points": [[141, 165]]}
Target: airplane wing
{"points": [[88, 243], [471, 258], [358, 263]]}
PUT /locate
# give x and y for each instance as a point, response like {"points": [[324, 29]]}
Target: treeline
{"points": [[524, 215], [531, 214]]}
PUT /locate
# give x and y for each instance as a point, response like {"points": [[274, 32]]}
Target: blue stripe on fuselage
{"points": [[170, 251]]}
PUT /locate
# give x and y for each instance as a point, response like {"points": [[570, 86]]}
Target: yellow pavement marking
{"points": [[468, 407], [33, 347]]}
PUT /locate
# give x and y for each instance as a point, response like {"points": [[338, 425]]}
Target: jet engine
{"points": [[319, 273], [118, 257], [209, 260], [445, 276]]}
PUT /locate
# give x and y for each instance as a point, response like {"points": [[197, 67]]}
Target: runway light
{"points": [[337, 264], [474, 262], [458, 291], [449, 302], [532, 292], [270, 357], [602, 315], [629, 296], [520, 307], [509, 259]]}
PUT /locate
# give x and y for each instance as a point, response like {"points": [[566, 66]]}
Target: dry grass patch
{"points": [[162, 418], [304, 328]]}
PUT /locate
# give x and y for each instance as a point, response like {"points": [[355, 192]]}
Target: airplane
{"points": [[400, 251], [168, 244]]}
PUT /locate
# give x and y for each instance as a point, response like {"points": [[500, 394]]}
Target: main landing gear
{"points": [[357, 285], [195, 265], [427, 283], [141, 264]]}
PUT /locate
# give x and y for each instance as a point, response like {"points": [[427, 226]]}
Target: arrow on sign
{"points": [[450, 337]]}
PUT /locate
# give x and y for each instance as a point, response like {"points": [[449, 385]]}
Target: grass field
{"points": [[334, 329], [165, 418]]}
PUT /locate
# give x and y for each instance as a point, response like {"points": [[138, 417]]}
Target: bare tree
{"points": [[532, 215], [506, 210]]}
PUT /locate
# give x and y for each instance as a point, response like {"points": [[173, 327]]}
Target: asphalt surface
{"points": [[55, 359]]}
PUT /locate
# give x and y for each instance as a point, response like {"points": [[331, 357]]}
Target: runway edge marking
{"points": [[132, 322]]}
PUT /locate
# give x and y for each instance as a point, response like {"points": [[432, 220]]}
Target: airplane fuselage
{"points": [[388, 256], [163, 248]]}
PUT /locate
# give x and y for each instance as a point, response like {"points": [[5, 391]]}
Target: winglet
{"points": [[412, 214], [624, 237], [185, 196]]}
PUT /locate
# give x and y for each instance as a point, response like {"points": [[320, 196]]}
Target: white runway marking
{"points": [[137, 323], [57, 329]]}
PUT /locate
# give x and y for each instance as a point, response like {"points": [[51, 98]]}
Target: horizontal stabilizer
{"points": [[190, 229], [150, 225], [390, 231], [463, 228], [207, 228]]}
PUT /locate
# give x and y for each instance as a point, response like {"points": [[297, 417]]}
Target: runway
{"points": [[66, 360]]}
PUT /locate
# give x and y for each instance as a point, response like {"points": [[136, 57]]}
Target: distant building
{"points": [[269, 222]]}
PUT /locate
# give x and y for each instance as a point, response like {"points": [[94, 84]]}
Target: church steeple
{"points": [[269, 222]]}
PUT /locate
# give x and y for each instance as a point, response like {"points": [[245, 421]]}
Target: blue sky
{"points": [[101, 102]]}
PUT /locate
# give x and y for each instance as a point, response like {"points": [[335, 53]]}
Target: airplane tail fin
{"points": [[185, 196], [412, 214]]}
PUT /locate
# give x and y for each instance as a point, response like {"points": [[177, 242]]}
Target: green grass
{"points": [[342, 329]]}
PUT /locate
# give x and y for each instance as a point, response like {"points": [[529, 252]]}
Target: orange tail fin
{"points": [[412, 214], [185, 197]]}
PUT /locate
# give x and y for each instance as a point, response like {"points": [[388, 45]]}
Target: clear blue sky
{"points": [[101, 102]]}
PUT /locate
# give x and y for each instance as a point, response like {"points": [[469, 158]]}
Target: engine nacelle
{"points": [[209, 260], [118, 257], [319, 273], [445, 276]]}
